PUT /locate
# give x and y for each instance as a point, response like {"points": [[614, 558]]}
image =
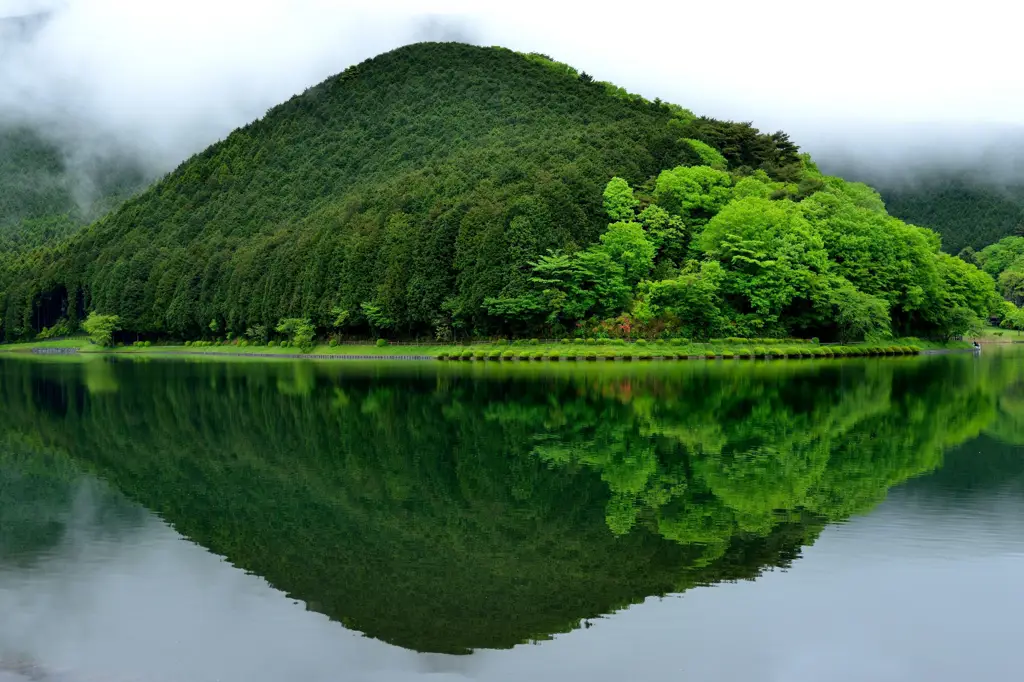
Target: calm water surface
{"points": [[176, 521]]}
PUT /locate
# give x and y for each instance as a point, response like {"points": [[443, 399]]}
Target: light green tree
{"points": [[858, 315], [627, 243], [101, 328], [709, 156], [696, 193], [619, 201], [771, 255], [300, 332]]}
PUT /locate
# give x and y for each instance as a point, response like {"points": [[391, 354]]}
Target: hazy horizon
{"points": [[161, 81]]}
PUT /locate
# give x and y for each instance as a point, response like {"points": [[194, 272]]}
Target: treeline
{"points": [[448, 191], [443, 511]]}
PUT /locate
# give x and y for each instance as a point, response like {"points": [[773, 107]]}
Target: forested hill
{"points": [[966, 206], [454, 190], [965, 212], [45, 196]]}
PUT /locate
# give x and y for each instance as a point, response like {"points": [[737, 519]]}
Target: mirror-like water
{"points": [[840, 520]]}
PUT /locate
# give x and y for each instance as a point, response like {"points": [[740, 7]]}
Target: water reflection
{"points": [[440, 510]]}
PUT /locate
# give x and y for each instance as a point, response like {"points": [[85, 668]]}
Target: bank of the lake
{"points": [[521, 350]]}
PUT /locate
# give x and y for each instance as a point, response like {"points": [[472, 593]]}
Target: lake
{"points": [[171, 520]]}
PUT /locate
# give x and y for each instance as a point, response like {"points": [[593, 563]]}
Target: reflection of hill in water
{"points": [[441, 511]]}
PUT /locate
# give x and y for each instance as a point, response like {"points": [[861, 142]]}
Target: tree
{"points": [[772, 256], [376, 316], [695, 193], [101, 328], [961, 321], [300, 331], [709, 156], [627, 243], [1011, 285], [619, 201], [257, 332], [690, 303], [858, 315], [667, 233]]}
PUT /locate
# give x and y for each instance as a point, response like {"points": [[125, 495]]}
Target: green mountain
{"points": [[963, 208], [45, 197], [444, 189]]}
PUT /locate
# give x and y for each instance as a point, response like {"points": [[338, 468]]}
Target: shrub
{"points": [[591, 356], [534, 342], [188, 344], [641, 342], [566, 341], [381, 343], [618, 342], [508, 355], [645, 355], [442, 356], [554, 355], [272, 344], [710, 355], [479, 354], [539, 355], [744, 354], [659, 342], [760, 351], [494, 355], [591, 341], [524, 355], [578, 342], [815, 340], [916, 350], [243, 343], [467, 355], [333, 343], [774, 352], [728, 355]]}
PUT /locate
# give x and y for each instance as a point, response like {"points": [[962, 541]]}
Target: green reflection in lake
{"points": [[447, 509]]}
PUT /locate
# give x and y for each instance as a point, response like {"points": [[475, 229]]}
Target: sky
{"points": [[897, 81]]}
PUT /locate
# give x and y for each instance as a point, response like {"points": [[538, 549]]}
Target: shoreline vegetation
{"points": [[582, 350]]}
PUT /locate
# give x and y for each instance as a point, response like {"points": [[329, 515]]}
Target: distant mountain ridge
{"points": [[970, 202]]}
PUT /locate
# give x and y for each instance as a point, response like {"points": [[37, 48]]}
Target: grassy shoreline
{"points": [[514, 351]]}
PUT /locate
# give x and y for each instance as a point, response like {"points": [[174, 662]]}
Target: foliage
{"points": [[619, 201], [101, 328], [300, 332]]}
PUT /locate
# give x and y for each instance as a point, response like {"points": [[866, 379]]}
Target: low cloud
{"points": [[888, 86]]}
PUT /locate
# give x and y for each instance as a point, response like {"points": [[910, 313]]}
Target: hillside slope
{"points": [[423, 181], [44, 197], [448, 189]]}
